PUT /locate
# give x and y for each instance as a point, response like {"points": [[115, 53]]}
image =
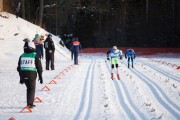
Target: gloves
{"points": [[40, 79], [21, 81], [107, 58], [121, 57]]}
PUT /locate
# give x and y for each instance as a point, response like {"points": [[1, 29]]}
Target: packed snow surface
{"points": [[149, 91]]}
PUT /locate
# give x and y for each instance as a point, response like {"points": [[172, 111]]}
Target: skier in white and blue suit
{"points": [[114, 55], [130, 55]]}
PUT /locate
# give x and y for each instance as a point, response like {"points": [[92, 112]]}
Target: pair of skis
{"points": [[112, 76]]}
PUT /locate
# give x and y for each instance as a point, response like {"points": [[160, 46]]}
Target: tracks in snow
{"points": [[131, 110], [81, 97], [160, 96], [162, 71], [86, 97], [158, 93]]}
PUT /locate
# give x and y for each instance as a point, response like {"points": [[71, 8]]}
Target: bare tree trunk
{"points": [[41, 13], [23, 9], [1, 5]]}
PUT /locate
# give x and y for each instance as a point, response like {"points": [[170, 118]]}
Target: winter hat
{"points": [[26, 40], [49, 35], [114, 48], [42, 37], [31, 45], [37, 36]]}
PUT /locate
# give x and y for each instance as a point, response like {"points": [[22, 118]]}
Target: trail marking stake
{"points": [[12, 118], [37, 100], [45, 88], [52, 82], [57, 77], [26, 108], [174, 65], [62, 73]]}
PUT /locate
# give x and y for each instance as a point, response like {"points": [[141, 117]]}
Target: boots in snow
{"points": [[118, 76], [112, 76]]}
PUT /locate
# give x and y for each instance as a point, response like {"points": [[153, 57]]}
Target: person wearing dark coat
{"points": [[26, 40], [29, 65], [49, 51], [76, 47]]}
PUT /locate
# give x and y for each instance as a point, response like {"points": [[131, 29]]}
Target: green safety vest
{"points": [[28, 62]]}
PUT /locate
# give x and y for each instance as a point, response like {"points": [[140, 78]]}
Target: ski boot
{"points": [[128, 65], [31, 106], [132, 66], [118, 76], [112, 76]]}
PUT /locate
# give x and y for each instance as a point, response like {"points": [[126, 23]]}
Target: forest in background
{"points": [[104, 23]]}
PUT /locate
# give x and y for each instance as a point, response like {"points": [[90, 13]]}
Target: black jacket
{"points": [[49, 44], [31, 75]]}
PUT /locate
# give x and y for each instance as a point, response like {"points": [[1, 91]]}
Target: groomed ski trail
{"points": [[170, 108]]}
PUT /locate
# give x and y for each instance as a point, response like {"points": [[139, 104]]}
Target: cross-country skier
{"points": [[114, 55], [29, 65], [76, 47], [130, 55]]}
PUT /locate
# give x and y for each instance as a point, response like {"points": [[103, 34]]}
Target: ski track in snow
{"points": [[158, 94], [85, 107], [162, 72], [76, 91], [125, 100]]}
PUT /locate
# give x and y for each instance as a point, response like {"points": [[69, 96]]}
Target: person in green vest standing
{"points": [[29, 65]]}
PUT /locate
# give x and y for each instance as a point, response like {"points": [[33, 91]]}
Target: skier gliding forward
{"points": [[114, 54]]}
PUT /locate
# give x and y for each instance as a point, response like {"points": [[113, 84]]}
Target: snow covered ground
{"points": [[85, 91]]}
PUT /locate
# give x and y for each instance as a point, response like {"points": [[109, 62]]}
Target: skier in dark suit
{"points": [[130, 55]]}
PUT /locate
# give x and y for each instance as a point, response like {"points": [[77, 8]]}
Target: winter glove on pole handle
{"points": [[107, 58], [121, 57]]}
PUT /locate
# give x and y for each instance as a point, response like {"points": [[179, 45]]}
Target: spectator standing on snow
{"points": [[17, 10], [114, 55], [130, 55], [76, 47], [49, 51], [38, 41], [29, 65]]}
